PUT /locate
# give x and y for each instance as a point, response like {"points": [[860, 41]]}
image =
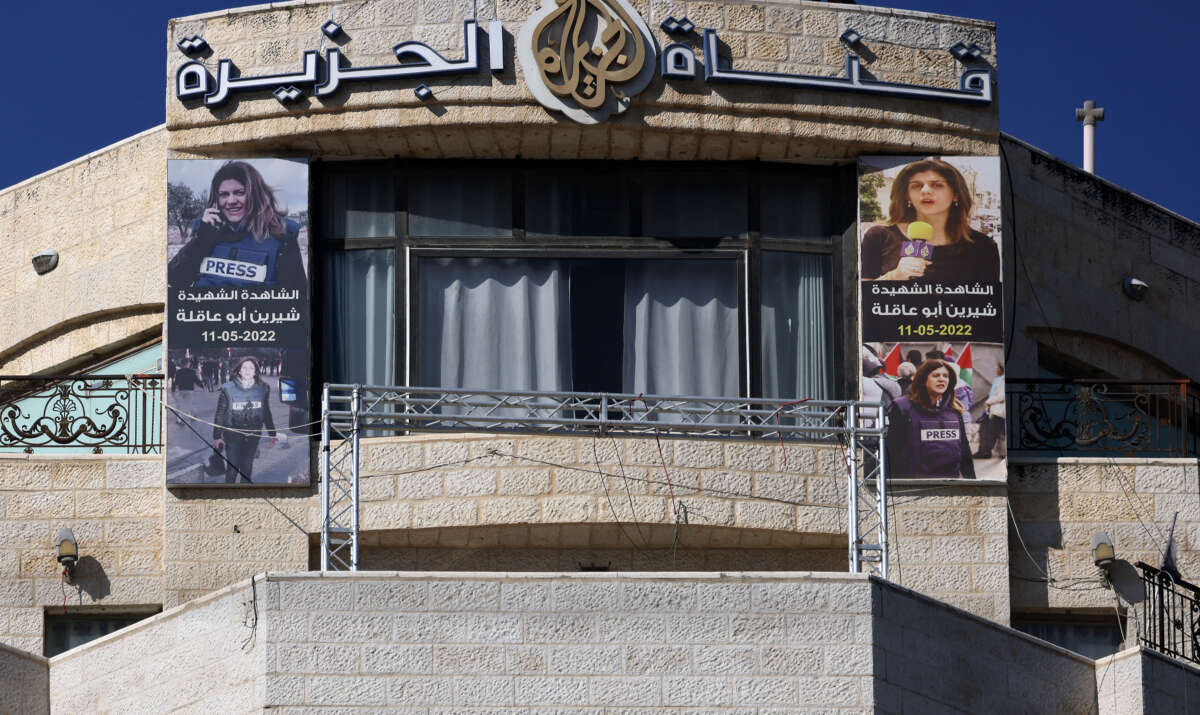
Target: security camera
{"points": [[1135, 288]]}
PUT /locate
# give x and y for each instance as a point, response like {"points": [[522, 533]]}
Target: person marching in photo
{"points": [[243, 414]]}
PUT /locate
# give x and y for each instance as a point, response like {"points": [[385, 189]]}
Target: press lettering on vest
{"points": [[247, 405], [229, 268], [939, 435]]}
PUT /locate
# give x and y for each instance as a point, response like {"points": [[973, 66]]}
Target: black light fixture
{"points": [[1135, 288], [66, 549]]}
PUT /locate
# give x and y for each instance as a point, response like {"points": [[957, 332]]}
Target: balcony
{"points": [[1104, 417], [115, 414], [1169, 622]]}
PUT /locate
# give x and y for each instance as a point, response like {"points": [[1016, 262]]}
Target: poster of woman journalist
{"points": [[237, 322], [932, 312]]}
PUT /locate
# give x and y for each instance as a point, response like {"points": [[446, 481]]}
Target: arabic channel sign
{"points": [[932, 318], [237, 322], [584, 58]]}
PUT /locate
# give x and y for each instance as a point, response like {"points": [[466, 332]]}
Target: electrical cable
{"points": [[896, 538], [625, 480], [180, 414], [661, 458], [1028, 278], [1012, 229], [1021, 539], [1137, 512], [1050, 581], [779, 429], [251, 621], [611, 507], [710, 491]]}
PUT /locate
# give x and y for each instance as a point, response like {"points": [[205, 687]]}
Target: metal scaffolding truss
{"points": [[350, 412], [340, 435]]}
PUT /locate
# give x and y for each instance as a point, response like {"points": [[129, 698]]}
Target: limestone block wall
{"points": [[543, 642], [950, 541], [1090, 235], [1060, 504], [550, 503], [26, 679], [1138, 680], [104, 214], [479, 116], [205, 656], [931, 657], [114, 506], [531, 502], [216, 537], [427, 481]]}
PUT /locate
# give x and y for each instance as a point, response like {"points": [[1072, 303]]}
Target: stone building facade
{"points": [[474, 535]]}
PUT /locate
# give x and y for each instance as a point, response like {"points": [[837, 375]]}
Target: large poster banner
{"points": [[237, 322], [932, 312]]}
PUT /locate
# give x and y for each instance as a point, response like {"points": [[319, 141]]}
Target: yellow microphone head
{"points": [[920, 231]]}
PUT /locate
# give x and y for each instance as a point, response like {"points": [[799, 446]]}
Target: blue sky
{"points": [[1132, 58]]}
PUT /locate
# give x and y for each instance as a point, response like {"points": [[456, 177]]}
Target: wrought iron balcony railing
{"points": [[1104, 417], [1170, 615], [97, 413]]}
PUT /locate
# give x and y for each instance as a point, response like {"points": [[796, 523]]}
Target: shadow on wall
{"points": [[1034, 501], [91, 579], [1126, 581]]}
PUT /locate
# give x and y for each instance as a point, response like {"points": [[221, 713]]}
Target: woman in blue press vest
{"points": [[926, 436], [243, 413], [243, 239]]}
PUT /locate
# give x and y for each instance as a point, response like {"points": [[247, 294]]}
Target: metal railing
{"points": [[352, 412], [1104, 417], [115, 413], [1170, 615], [426, 409]]}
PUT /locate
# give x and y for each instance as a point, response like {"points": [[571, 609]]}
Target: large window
{"points": [[708, 279]]}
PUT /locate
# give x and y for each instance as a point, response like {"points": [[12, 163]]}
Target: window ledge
{"points": [[1143, 461]]}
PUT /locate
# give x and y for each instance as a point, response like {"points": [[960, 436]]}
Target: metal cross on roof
{"points": [[1089, 115]]}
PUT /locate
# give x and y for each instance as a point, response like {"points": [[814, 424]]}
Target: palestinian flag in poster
{"points": [[965, 369], [891, 363]]}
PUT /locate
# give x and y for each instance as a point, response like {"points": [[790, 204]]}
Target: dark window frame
{"points": [[107, 616], [746, 247]]}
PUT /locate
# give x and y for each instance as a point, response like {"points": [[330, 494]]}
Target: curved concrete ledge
{"points": [[84, 338]]}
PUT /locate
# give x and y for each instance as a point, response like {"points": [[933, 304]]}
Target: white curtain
{"points": [[681, 328], [796, 346], [494, 323], [360, 322]]}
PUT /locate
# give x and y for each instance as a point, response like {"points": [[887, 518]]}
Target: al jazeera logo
{"points": [[586, 58]]}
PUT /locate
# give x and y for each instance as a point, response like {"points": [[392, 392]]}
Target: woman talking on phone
{"points": [[243, 239], [935, 193]]}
